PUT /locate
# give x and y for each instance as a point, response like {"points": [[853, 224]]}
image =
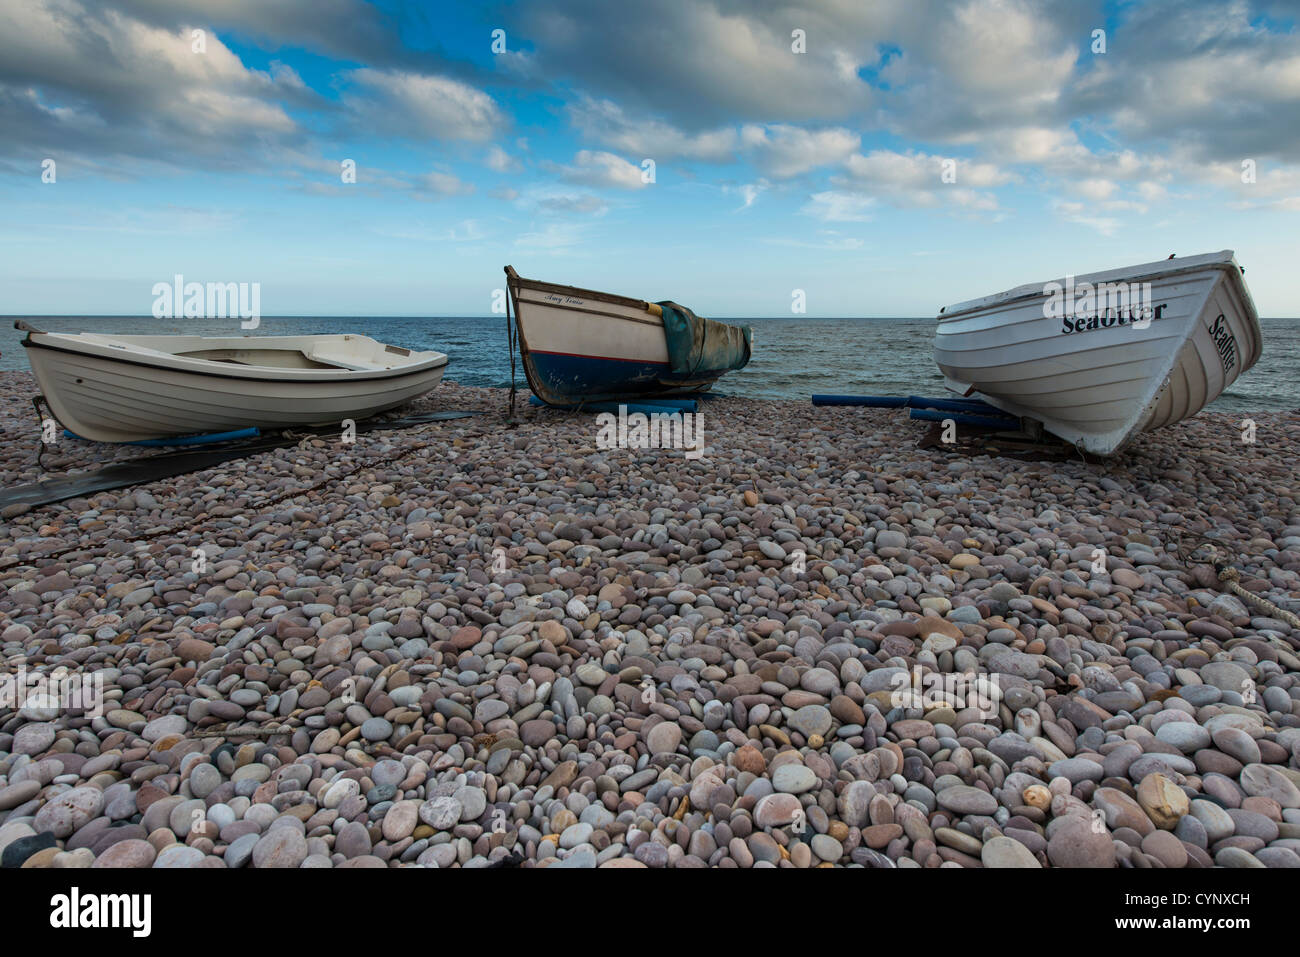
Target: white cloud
{"points": [[913, 170], [421, 106], [349, 29], [1038, 144], [548, 198], [552, 238], [836, 206], [915, 179], [79, 78], [1085, 215], [971, 199], [749, 192], [598, 168], [1186, 91], [1211, 79], [1011, 81], [1098, 175], [782, 151], [605, 122], [1271, 179], [446, 184], [1152, 192], [499, 161], [983, 66], [1097, 189], [584, 203], [702, 63]]}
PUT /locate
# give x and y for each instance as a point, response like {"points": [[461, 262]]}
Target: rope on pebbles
{"points": [[251, 731], [1231, 577], [198, 521]]}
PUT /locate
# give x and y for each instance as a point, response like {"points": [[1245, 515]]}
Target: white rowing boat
{"points": [[113, 388], [1100, 358]]}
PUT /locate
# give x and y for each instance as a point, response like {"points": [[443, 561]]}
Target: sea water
{"points": [[793, 357]]}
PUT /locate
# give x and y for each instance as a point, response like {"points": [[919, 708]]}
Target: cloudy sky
{"points": [[885, 157]]}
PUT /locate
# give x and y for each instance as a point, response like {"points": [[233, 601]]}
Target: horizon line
{"points": [[413, 315], [424, 315]]}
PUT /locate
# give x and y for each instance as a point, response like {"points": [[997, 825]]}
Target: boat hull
{"points": [[581, 346], [112, 399], [1101, 385]]}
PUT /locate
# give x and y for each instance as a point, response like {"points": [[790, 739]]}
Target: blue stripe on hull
{"points": [[584, 378]]}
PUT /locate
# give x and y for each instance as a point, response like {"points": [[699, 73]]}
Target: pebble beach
{"points": [[468, 645]]}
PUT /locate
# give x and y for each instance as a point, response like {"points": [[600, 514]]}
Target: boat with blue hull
{"points": [[580, 346]]}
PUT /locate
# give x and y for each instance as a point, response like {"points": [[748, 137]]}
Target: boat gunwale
{"points": [[1013, 296], [517, 281], [437, 360], [650, 319]]}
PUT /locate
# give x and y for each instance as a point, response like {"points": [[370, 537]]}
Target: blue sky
{"points": [[822, 171]]}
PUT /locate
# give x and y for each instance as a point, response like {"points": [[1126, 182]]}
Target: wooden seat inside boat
{"points": [[266, 358]]}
